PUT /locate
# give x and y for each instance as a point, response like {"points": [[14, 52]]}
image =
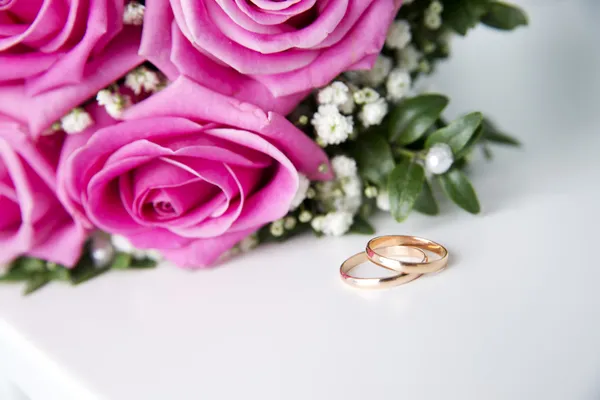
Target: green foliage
{"points": [[36, 273], [459, 189], [373, 157], [426, 202], [361, 226], [504, 16], [411, 119], [404, 185], [462, 15], [458, 133]]}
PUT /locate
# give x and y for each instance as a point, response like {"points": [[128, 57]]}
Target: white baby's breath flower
{"points": [[134, 13], [276, 228], [399, 35], [376, 76], [337, 223], [331, 126], [317, 223], [373, 113], [432, 19], [142, 79], [383, 201], [343, 166], [409, 57], [436, 7], [114, 103], [398, 84], [371, 192], [348, 107], [366, 95], [289, 223], [336, 93], [104, 97], [305, 216], [300, 196], [248, 243], [78, 120]]}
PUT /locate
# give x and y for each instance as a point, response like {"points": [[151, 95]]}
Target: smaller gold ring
{"points": [[403, 266], [378, 283]]}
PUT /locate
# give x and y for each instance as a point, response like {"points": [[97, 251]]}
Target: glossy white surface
{"points": [[515, 316]]}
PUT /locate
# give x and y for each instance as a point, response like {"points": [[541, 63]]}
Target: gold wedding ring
{"points": [[384, 282], [376, 245]]}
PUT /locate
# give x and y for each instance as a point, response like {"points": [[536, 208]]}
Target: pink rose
{"points": [[55, 54], [289, 46], [190, 172], [32, 220]]}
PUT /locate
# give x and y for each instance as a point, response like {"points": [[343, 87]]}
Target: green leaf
{"points": [[404, 186], [15, 275], [492, 134], [36, 282], [413, 117], [373, 157], [487, 152], [458, 188], [361, 226], [85, 270], [504, 16], [426, 202], [121, 261], [142, 263], [33, 265], [461, 15], [458, 133], [501, 138], [470, 144]]}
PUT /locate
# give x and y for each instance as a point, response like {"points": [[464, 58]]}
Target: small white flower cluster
{"points": [[331, 126], [399, 35], [122, 244], [113, 102], [398, 84], [134, 13], [376, 75], [374, 108], [409, 58], [343, 198], [335, 223], [78, 120], [433, 15], [338, 94], [143, 79], [278, 227]]}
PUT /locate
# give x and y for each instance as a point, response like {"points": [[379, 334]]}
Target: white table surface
{"points": [[515, 316]]}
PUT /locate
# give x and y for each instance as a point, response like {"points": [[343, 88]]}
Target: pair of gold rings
{"points": [[388, 252]]}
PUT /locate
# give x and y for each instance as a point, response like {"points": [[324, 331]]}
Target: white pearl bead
{"points": [[439, 158], [102, 251]]}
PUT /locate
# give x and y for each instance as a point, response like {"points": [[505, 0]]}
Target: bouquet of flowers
{"points": [[192, 130]]}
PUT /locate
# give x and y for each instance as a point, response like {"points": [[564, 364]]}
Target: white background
{"points": [[515, 316]]}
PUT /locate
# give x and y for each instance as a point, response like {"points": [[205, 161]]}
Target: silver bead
{"points": [[439, 158]]}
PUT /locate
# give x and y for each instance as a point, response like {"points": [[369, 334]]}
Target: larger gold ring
{"points": [[378, 243], [379, 283]]}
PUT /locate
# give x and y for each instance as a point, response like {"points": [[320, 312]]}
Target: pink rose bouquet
{"points": [[56, 54], [289, 47], [32, 220], [133, 131], [189, 172]]}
